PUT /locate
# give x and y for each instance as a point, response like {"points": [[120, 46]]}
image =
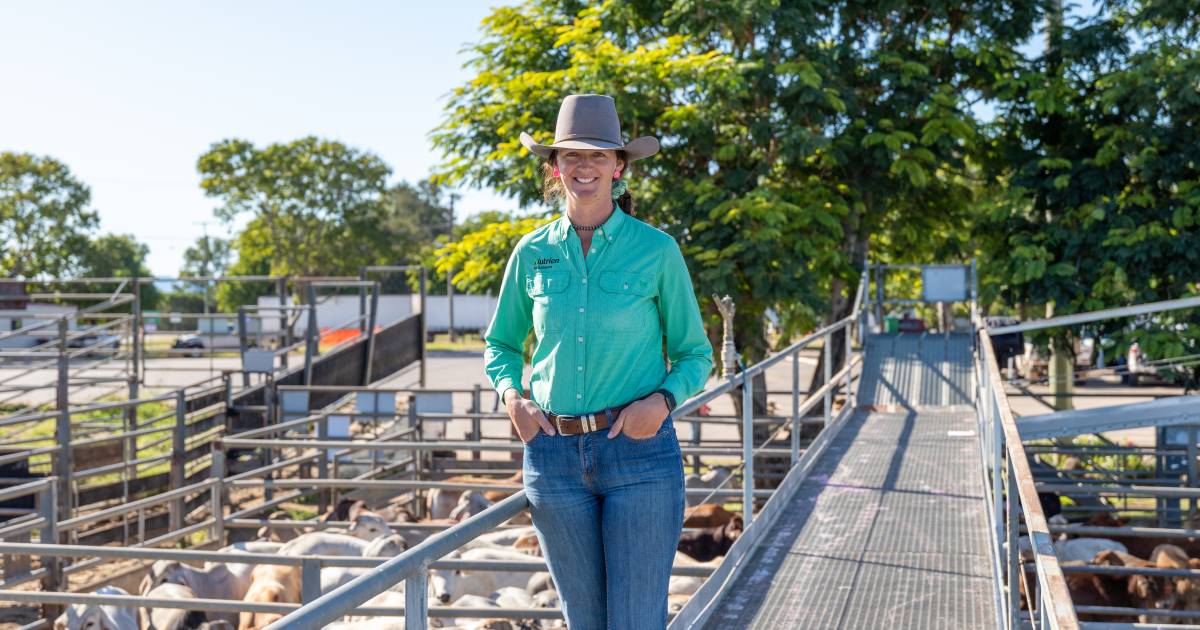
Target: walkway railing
{"points": [[412, 565], [1012, 495]]}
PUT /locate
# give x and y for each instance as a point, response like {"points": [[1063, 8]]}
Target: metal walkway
{"points": [[889, 528]]}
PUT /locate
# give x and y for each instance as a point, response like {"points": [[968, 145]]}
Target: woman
{"points": [[601, 290]]}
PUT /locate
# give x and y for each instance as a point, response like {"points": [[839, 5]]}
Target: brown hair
{"points": [[552, 187]]}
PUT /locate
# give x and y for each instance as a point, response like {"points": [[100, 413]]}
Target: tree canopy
{"points": [[794, 136], [45, 218]]}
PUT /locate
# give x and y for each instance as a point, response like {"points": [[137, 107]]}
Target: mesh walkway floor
{"points": [[889, 529]]}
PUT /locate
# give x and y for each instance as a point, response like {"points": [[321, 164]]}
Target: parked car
{"points": [[199, 343]]}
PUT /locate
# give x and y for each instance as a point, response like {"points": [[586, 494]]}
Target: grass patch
{"points": [[464, 341]]}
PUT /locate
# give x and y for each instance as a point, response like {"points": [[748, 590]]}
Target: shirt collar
{"points": [[608, 229]]}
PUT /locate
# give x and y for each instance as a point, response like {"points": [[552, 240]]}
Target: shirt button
{"points": [[578, 368], [580, 309], [580, 339], [585, 280], [578, 396], [626, 286]]}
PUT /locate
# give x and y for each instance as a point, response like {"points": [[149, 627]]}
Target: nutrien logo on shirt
{"points": [[546, 262]]}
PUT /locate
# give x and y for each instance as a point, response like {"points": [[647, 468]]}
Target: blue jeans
{"points": [[608, 514]]}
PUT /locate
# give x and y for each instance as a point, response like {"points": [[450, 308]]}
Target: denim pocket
{"points": [[666, 428]]}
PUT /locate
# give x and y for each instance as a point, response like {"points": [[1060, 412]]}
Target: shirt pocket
{"points": [[548, 289], [626, 301]]}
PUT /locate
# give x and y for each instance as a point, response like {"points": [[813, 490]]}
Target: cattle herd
{"points": [[709, 531], [1156, 592]]}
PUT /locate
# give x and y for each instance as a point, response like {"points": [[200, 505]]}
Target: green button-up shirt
{"points": [[599, 322]]}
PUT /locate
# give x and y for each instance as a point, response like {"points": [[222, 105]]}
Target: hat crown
{"points": [[588, 116]]}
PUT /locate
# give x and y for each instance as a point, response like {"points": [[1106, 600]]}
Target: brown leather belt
{"points": [[574, 425]]}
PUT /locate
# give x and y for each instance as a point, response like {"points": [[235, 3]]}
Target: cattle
{"points": [[242, 570], [274, 584], [504, 538], [171, 618], [98, 617], [706, 515], [441, 502], [706, 544], [470, 503], [386, 547], [452, 584], [216, 582], [714, 478], [325, 544], [1084, 549], [538, 582], [1144, 591]]}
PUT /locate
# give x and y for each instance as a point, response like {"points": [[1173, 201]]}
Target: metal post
{"points": [[417, 455], [313, 343], [310, 579], [827, 348], [795, 407], [1192, 476], [136, 376], [747, 448], [849, 373], [62, 459], [424, 324], [285, 331], [1013, 553], [879, 274], [177, 457], [476, 423], [323, 463], [416, 599], [242, 343], [216, 500], [362, 300], [47, 508], [369, 355]]}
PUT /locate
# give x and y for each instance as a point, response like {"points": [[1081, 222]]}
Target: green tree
{"points": [[317, 202], [118, 256], [45, 221], [1097, 147], [255, 247], [209, 256], [795, 136], [478, 255]]}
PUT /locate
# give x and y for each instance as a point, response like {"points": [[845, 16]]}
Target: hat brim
{"points": [[635, 149]]}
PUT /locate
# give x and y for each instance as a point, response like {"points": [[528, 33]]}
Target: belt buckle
{"points": [[587, 422]]}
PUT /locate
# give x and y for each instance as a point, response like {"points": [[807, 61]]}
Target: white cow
{"points": [[450, 585], [102, 617], [171, 618], [1084, 549], [239, 569], [386, 547], [217, 582]]}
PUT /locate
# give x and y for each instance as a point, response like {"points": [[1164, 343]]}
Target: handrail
{"points": [[1056, 601]]}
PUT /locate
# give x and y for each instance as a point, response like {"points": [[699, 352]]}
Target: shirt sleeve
{"points": [[503, 356], [687, 345]]}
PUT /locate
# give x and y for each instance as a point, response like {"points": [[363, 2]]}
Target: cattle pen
{"points": [[903, 490]]}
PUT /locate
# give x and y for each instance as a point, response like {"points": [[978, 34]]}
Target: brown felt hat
{"points": [[589, 121]]}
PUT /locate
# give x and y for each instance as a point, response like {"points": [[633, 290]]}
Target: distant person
{"points": [[603, 469]]}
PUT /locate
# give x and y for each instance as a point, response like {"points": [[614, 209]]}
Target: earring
{"points": [[555, 171], [617, 175]]}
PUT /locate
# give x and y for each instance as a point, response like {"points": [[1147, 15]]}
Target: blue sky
{"points": [[129, 95]]}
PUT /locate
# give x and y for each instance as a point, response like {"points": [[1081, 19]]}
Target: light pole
{"points": [[450, 272]]}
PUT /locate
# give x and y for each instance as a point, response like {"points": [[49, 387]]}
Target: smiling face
{"points": [[587, 174]]}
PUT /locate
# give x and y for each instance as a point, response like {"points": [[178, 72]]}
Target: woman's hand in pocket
{"points": [[642, 418], [526, 416]]}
